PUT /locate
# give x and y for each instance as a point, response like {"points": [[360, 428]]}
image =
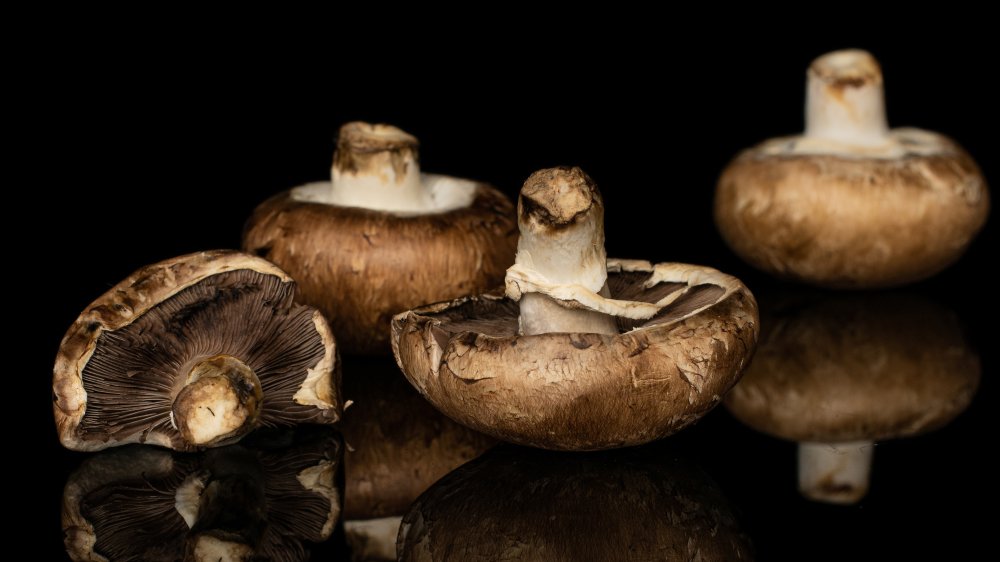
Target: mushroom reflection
{"points": [[397, 446], [835, 373], [523, 504], [258, 500]]}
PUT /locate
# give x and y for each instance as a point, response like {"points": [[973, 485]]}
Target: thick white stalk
{"points": [[844, 101], [561, 218], [835, 472], [373, 539], [376, 167]]}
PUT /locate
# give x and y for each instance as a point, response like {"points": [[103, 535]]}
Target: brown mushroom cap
{"points": [[584, 391], [128, 369], [851, 222], [361, 266], [259, 502], [851, 203], [399, 444], [856, 367], [518, 504]]}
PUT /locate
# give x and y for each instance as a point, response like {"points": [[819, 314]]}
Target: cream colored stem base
{"points": [[835, 472], [220, 400], [541, 314], [844, 100], [373, 539], [376, 167]]}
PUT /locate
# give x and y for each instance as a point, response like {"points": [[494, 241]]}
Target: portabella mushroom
{"points": [[523, 504], [397, 446], [381, 237], [583, 353], [193, 352], [851, 203], [263, 499], [836, 374]]}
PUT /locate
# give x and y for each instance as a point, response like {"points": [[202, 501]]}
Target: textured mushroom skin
{"points": [[360, 267], [129, 301], [529, 505], [399, 444], [856, 368], [851, 221], [577, 391]]}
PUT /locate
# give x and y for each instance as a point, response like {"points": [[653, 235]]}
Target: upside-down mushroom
{"points": [[397, 446], [193, 352], [583, 353], [836, 374], [851, 203], [524, 504], [381, 237], [260, 500]]}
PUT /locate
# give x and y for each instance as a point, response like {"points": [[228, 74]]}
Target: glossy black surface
{"points": [[273, 496], [153, 145]]}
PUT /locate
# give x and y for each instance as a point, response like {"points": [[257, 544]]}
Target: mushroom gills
{"points": [[257, 500], [182, 353]]}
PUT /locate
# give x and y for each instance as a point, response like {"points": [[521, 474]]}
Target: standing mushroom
{"points": [[851, 203], [194, 352], [381, 237], [584, 353], [397, 446], [259, 500], [836, 374], [522, 504]]}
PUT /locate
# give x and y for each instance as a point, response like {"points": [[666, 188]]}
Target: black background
{"points": [[152, 144]]}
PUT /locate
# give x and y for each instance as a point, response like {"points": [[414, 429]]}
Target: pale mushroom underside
{"points": [[128, 355]]}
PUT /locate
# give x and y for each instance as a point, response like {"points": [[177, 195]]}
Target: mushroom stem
{"points": [[844, 100], [220, 400], [561, 218], [835, 472], [376, 167], [231, 515], [373, 539]]}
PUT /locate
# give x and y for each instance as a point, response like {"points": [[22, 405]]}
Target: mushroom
{"points": [[381, 237], [523, 504], [836, 374], [97, 501], [398, 445], [194, 352], [583, 353], [851, 203], [256, 500]]}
